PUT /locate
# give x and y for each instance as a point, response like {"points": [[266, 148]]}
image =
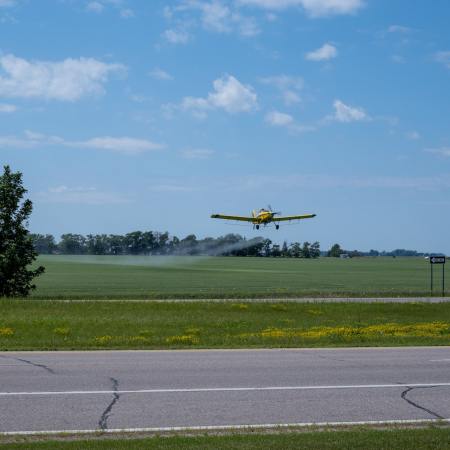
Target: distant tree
{"points": [[98, 244], [267, 247], [16, 247], [335, 251], [188, 245], [295, 250], [255, 247], [116, 244], [285, 250], [275, 250], [314, 250], [44, 244], [161, 243], [306, 251], [72, 244], [173, 245], [135, 243]]}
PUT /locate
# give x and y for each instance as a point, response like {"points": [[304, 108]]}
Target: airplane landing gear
{"points": [[277, 227], [257, 227]]}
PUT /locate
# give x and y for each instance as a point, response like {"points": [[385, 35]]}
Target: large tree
{"points": [[335, 251], [16, 246]]}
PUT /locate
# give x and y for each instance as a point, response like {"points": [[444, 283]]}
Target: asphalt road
{"points": [[55, 391]]}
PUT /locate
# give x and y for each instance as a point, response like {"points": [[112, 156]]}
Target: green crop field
{"points": [[120, 277]]}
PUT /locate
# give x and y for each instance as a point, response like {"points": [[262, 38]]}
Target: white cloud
{"points": [[99, 6], [289, 87], [398, 29], [443, 57], [318, 181], [176, 36], [283, 82], [160, 74], [198, 153], [279, 119], [124, 145], [346, 113], [67, 80], [215, 15], [218, 17], [171, 187], [399, 59], [291, 97], [284, 120], [80, 195], [9, 142], [413, 135], [324, 53], [229, 94], [314, 8], [442, 151], [127, 13], [7, 108], [96, 7], [7, 3]]}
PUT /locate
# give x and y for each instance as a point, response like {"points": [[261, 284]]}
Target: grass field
{"points": [[363, 439], [125, 277], [57, 325]]}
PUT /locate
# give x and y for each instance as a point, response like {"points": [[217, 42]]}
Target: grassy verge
{"points": [[54, 325], [159, 277], [419, 439]]}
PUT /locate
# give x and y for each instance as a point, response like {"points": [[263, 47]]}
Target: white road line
{"points": [[221, 389], [440, 360], [230, 427]]}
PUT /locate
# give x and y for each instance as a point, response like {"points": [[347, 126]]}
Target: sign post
{"points": [[438, 259]]}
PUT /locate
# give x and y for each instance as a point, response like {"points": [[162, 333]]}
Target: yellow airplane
{"points": [[264, 217]]}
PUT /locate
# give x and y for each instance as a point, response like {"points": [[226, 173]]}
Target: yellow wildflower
{"points": [[6, 331]]}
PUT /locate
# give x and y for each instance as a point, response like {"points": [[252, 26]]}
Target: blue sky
{"points": [[138, 114]]}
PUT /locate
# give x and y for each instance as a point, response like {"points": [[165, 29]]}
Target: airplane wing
{"points": [[286, 218], [241, 218]]}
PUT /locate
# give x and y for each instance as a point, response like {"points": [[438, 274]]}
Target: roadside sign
{"points": [[437, 259]]}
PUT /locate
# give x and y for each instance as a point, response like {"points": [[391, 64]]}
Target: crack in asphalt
{"points": [[416, 405], [31, 363], [103, 422]]}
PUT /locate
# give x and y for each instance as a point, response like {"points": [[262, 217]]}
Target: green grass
{"points": [[53, 325], [364, 439], [109, 277]]}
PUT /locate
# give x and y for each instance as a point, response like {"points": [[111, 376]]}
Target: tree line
{"points": [[157, 243]]}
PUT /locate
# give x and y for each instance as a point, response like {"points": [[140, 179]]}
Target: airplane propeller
{"points": [[272, 211]]}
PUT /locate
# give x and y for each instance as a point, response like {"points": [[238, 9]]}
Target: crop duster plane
{"points": [[264, 217]]}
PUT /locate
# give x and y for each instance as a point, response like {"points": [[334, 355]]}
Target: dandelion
{"points": [[62, 331], [314, 312], [6, 331], [194, 331], [433, 329], [102, 340], [240, 306], [138, 340], [184, 339], [274, 332], [146, 333], [279, 307]]}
